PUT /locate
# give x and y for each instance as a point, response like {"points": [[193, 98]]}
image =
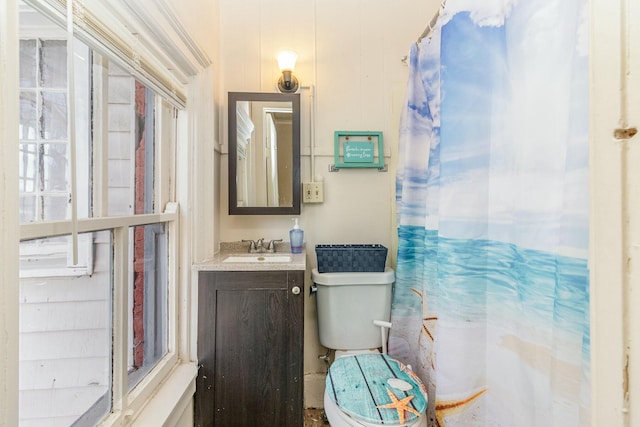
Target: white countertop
{"points": [[241, 249]]}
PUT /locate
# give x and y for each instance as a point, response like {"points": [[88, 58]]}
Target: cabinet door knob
{"points": [[295, 290]]}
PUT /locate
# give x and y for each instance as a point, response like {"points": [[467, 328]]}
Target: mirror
{"points": [[264, 153]]}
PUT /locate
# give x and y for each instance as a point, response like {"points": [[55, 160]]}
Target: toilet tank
{"points": [[347, 305]]}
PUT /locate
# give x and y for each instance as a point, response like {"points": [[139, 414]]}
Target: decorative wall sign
{"points": [[358, 152], [354, 149]]}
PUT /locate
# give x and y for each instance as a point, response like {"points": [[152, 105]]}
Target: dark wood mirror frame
{"points": [[234, 98]]}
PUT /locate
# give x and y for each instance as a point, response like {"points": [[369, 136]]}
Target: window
{"points": [[44, 142], [97, 233], [148, 300], [44, 180]]}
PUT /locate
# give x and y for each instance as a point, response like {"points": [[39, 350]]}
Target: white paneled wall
{"points": [[352, 77]]}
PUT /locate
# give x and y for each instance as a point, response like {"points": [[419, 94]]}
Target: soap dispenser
{"points": [[296, 236]]}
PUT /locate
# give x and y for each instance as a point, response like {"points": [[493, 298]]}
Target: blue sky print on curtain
{"points": [[492, 294]]}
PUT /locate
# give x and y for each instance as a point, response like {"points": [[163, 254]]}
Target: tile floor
{"points": [[314, 418]]}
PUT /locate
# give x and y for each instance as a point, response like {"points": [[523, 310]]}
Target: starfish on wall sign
{"points": [[400, 405]]}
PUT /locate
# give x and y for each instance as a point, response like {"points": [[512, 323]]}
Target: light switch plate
{"points": [[312, 192]]}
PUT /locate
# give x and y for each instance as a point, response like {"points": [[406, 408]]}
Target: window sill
{"points": [[171, 399]]}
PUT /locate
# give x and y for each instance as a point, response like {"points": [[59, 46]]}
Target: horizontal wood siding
{"points": [[65, 342]]}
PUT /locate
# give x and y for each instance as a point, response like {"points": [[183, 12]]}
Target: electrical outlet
{"points": [[312, 192]]}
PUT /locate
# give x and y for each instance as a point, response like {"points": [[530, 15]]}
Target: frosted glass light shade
{"points": [[287, 60]]}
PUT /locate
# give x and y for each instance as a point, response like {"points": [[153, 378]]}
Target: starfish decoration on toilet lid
{"points": [[400, 405]]}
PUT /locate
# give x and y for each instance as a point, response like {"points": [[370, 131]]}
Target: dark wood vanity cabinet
{"points": [[250, 349]]}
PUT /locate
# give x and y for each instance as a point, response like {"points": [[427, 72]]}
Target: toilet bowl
{"points": [[358, 387], [361, 381]]}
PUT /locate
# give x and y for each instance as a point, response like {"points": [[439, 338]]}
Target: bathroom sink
{"points": [[257, 258]]}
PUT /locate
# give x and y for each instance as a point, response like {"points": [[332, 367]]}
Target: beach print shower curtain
{"points": [[491, 298]]}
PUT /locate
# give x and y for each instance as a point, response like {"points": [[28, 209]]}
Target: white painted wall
{"points": [[349, 59]]}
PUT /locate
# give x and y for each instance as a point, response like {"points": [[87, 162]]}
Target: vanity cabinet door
{"points": [[250, 349]]}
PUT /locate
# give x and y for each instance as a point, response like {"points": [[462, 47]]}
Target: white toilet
{"points": [[361, 380]]}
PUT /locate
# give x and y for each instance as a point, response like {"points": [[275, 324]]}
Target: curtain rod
{"points": [[428, 30], [432, 23]]}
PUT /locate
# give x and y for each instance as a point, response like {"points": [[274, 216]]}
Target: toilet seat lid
{"points": [[360, 384]]}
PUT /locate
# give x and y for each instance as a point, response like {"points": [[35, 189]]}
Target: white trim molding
{"points": [[171, 399], [160, 19], [9, 292], [147, 41], [615, 212]]}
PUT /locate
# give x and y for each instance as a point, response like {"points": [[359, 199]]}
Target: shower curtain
{"points": [[491, 300]]}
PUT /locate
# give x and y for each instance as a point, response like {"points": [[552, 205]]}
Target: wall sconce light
{"points": [[287, 83]]}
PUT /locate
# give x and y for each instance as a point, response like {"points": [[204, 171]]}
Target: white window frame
{"points": [[126, 402], [157, 39], [58, 256]]}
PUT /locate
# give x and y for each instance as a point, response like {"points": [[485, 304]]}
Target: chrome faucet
{"points": [[255, 246], [271, 248]]}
